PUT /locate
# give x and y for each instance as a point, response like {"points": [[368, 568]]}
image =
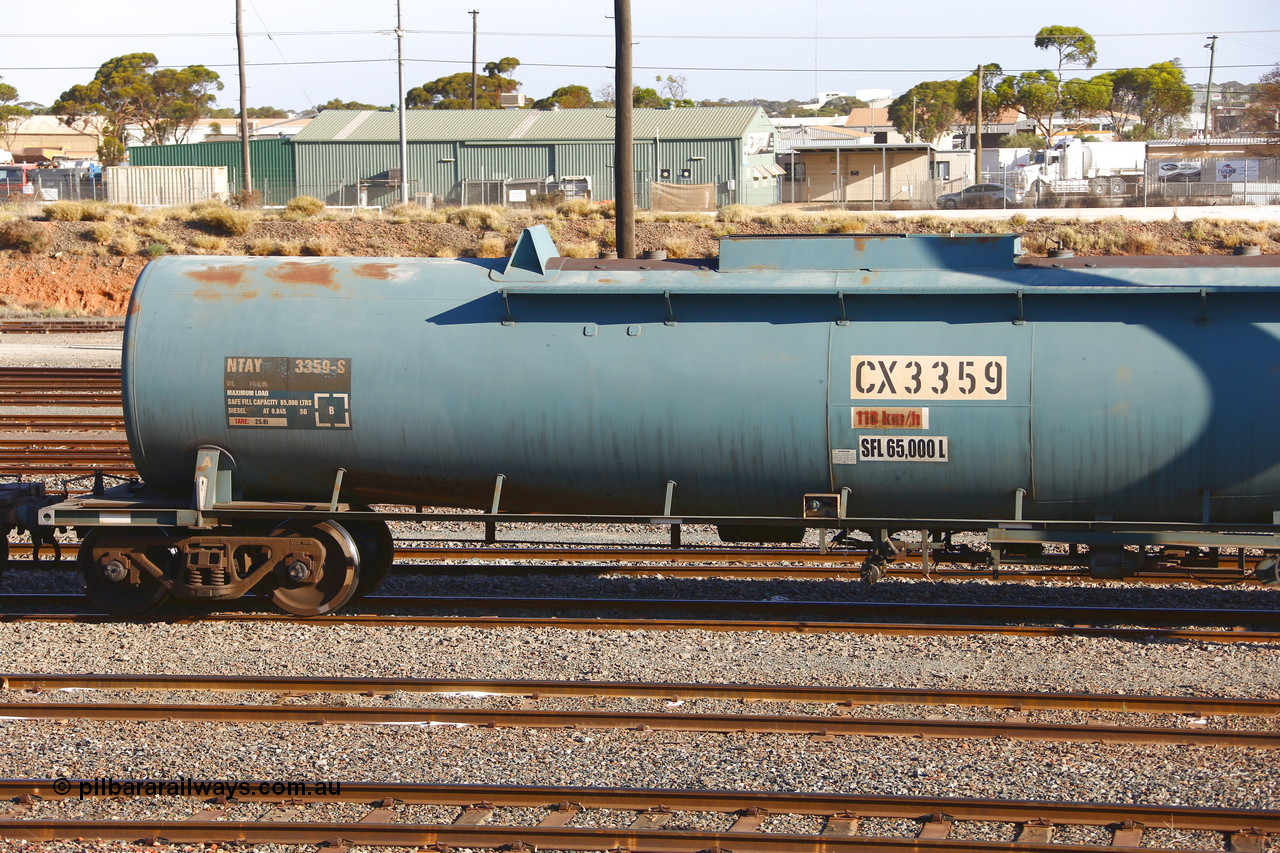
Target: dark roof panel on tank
{"points": [[585, 125]]}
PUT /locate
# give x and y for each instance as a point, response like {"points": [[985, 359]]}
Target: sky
{"points": [[301, 54]]}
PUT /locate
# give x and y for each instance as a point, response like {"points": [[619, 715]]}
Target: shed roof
{"points": [[582, 125]]}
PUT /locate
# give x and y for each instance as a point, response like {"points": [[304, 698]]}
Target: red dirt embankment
{"points": [[72, 284]]}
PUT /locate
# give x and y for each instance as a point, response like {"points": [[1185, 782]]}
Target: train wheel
{"points": [[324, 588], [377, 552], [114, 582]]}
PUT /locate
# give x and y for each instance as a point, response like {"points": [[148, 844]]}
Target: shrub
{"points": [[224, 220], [157, 249], [25, 236], [264, 246], [445, 252], [304, 205], [738, 213]]}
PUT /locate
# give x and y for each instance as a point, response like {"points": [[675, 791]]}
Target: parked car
{"points": [[982, 195]]}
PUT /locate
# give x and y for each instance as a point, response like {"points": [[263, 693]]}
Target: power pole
{"points": [[977, 137], [913, 118], [404, 134], [623, 133], [246, 176], [474, 34], [1208, 91]]}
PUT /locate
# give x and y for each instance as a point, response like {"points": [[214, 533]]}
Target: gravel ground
{"points": [[61, 349]]}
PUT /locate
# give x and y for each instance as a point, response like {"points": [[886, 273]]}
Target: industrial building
{"points": [[685, 158]]}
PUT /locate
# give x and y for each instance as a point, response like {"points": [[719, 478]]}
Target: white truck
{"points": [[1077, 168]]}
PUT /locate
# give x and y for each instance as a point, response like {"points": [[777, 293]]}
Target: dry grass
{"points": [[410, 212], [322, 247], [302, 207], [25, 236], [492, 247], [208, 243], [103, 233], [583, 249], [479, 218], [575, 208], [445, 252], [681, 247], [1141, 242], [126, 243], [220, 219]]}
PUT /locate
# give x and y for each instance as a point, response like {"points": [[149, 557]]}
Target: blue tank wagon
{"points": [[868, 382]]}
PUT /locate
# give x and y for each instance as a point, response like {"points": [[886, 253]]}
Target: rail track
{"points": [[13, 605], [42, 422], [45, 326], [60, 386], [1197, 706], [493, 718], [745, 815]]}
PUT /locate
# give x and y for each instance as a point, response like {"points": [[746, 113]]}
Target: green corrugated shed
{"points": [[272, 162], [349, 156]]}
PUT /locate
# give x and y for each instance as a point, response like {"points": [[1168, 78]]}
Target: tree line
{"points": [[1140, 103], [166, 103]]}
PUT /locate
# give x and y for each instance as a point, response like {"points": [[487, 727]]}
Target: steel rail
{"points": [[1194, 818], [1012, 614], [46, 326], [643, 721], [1150, 704], [340, 835], [41, 422], [55, 373], [906, 629], [101, 400]]}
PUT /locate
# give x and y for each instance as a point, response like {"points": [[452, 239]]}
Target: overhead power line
{"points": [[460, 62], [670, 36]]}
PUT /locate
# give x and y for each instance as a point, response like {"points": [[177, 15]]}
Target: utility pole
{"points": [[474, 34], [913, 118], [246, 183], [623, 133], [977, 137], [1208, 90], [404, 134]]}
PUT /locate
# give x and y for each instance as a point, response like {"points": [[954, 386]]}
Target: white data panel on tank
{"points": [[928, 377], [894, 448]]}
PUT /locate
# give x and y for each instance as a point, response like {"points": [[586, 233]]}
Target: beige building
{"points": [[41, 138], [853, 171]]}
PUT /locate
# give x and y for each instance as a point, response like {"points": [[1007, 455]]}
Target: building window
{"points": [[940, 170], [794, 170]]}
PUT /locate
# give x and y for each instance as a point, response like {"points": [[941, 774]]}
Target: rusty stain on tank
{"points": [[300, 273], [219, 275], [207, 293], [383, 272]]}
